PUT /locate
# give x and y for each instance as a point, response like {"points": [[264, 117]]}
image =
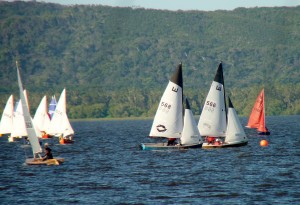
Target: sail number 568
{"points": [[165, 105], [212, 104]]}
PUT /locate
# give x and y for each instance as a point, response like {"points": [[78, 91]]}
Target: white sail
{"points": [[32, 135], [235, 131], [6, 122], [60, 123], [18, 126], [212, 120], [67, 128], [168, 121], [41, 118], [190, 132]]}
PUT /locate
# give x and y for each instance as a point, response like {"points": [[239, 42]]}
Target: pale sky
{"points": [[206, 5]]}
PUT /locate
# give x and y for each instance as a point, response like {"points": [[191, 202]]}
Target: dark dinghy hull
{"points": [[163, 146]]}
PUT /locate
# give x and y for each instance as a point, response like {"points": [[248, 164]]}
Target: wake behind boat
{"points": [[220, 128], [168, 121]]}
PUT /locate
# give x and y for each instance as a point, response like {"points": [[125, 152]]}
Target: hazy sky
{"points": [[207, 5]]}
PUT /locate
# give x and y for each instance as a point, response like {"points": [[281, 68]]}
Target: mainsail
{"points": [[212, 120], [168, 121]]}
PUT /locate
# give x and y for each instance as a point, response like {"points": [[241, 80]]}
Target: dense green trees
{"points": [[116, 62]]}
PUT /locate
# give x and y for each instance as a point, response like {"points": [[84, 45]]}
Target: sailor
{"points": [[210, 140], [48, 153], [171, 141]]}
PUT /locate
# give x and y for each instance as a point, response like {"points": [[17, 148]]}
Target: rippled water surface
{"points": [[106, 166]]}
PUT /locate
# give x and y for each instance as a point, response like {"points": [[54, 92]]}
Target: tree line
{"points": [[116, 62]]}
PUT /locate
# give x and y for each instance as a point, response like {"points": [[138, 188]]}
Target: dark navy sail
{"points": [[230, 103], [177, 76], [187, 104], [219, 75]]}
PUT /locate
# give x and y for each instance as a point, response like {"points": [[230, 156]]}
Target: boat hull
{"points": [[264, 133], [163, 146], [55, 161], [14, 139], [225, 145], [46, 136], [66, 141]]}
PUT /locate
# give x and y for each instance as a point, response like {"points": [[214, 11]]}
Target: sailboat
{"points": [[218, 127], [52, 106], [257, 117], [32, 134], [41, 118], [168, 121], [18, 125], [7, 117], [60, 125]]}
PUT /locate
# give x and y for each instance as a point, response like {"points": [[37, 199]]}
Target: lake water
{"points": [[106, 166]]}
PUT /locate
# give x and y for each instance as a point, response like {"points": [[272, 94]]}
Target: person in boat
{"points": [[171, 142], [70, 137], [48, 153], [210, 140], [217, 142]]}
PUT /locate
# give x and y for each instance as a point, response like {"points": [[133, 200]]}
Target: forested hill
{"points": [[116, 62]]}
